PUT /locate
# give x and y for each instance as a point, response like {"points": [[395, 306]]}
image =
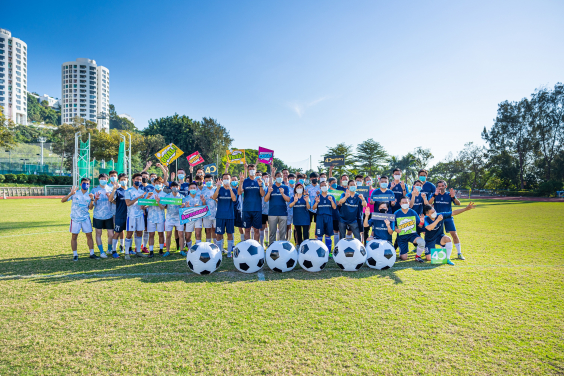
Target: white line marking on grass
{"points": [[34, 233], [259, 274]]}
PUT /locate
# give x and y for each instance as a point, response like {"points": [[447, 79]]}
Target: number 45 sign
{"points": [[438, 256]]}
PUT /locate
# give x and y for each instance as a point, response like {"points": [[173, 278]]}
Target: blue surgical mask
{"points": [[301, 181], [358, 183], [85, 186], [113, 179], [123, 183], [384, 185], [193, 191], [158, 187], [292, 181], [181, 176], [423, 178], [234, 183], [174, 189], [103, 182], [279, 180], [209, 184], [352, 188], [418, 187], [138, 184], [334, 185]]}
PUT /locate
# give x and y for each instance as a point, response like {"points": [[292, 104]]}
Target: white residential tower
{"points": [[85, 92], [13, 77]]}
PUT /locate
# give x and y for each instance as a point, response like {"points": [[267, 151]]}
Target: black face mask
{"points": [[382, 210], [144, 180], [199, 183], [313, 181]]}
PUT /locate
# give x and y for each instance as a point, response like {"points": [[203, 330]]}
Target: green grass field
{"points": [[498, 312]]}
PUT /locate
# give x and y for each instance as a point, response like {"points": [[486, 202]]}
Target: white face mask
{"points": [[322, 179], [266, 180], [252, 172], [434, 215], [405, 206], [226, 182], [397, 177], [345, 183], [299, 191], [324, 189]]}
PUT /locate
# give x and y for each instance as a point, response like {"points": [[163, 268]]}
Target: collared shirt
{"points": [[103, 206], [173, 211], [79, 207], [208, 193], [154, 213], [313, 191], [134, 211]]}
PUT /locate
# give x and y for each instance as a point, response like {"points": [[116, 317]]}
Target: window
{"points": [[18, 56], [18, 102], [18, 108], [18, 96], [18, 50], [18, 44]]}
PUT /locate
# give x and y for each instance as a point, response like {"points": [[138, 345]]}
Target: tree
{"points": [[422, 157], [475, 160], [407, 164], [37, 112], [7, 139], [119, 123], [371, 156], [448, 170], [341, 149]]}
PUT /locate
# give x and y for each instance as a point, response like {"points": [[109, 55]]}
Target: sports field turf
{"points": [[499, 312]]}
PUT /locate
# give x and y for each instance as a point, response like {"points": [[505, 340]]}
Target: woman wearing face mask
{"points": [[300, 205], [156, 217], [381, 229]]}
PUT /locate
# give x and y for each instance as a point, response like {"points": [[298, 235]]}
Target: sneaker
{"points": [[460, 257], [74, 258], [132, 253], [182, 253], [140, 254], [151, 254], [160, 252], [115, 254], [103, 255], [167, 253], [450, 262], [94, 257], [127, 257], [419, 259], [144, 249], [331, 255], [229, 255]]}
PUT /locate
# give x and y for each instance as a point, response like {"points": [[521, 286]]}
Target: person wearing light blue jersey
{"points": [[193, 199], [172, 219], [135, 216], [156, 217], [103, 216], [80, 216], [209, 222], [442, 202]]}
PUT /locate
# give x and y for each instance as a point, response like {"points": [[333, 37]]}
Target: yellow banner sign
{"points": [[236, 156], [169, 154]]}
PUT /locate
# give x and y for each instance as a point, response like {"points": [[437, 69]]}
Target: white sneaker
{"points": [[103, 255], [127, 257]]}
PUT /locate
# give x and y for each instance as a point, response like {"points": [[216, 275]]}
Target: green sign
{"points": [[171, 201], [438, 256], [147, 202], [336, 194], [407, 225]]}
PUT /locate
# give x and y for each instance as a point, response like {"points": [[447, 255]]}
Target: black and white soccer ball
{"points": [[204, 258], [281, 256], [248, 256], [381, 254], [349, 254], [313, 255]]}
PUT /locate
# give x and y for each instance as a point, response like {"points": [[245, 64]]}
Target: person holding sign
{"points": [[135, 216], [398, 188], [225, 215], [193, 199], [252, 206], [156, 216], [208, 223], [407, 221], [434, 226], [324, 204], [442, 201], [80, 216], [300, 206], [383, 195], [350, 204], [277, 196], [381, 229], [173, 219], [417, 199]]}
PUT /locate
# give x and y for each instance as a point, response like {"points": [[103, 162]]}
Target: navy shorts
{"points": [[120, 224], [324, 225], [252, 219], [223, 226], [403, 242], [434, 244], [238, 219], [449, 224], [103, 224]]}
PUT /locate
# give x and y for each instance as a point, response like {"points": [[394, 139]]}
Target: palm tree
{"points": [[407, 164]]}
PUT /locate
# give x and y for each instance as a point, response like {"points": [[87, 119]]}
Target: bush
{"points": [[48, 180], [11, 178], [2, 178], [63, 180], [549, 188], [41, 179], [22, 178], [32, 179]]}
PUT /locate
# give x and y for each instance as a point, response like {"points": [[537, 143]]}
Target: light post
{"points": [[42, 140]]}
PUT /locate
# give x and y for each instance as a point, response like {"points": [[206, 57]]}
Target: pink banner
{"points": [[265, 155]]}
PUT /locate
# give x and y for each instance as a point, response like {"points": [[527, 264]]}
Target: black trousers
{"points": [[301, 233]]}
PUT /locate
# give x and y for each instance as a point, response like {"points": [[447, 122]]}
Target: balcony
{"points": [[82, 72]]}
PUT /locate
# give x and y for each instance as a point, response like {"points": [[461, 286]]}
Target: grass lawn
{"points": [[498, 312]]}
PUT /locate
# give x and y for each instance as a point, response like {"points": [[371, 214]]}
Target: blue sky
{"points": [[298, 76]]}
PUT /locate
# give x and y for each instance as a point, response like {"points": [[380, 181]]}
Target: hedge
{"points": [[2, 178], [36, 179], [10, 178]]}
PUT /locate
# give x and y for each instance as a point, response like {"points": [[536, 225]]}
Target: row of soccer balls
{"points": [[282, 256]]}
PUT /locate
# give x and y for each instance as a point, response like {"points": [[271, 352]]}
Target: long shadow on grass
{"points": [[60, 268]]}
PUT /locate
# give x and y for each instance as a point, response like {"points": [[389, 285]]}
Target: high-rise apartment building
{"points": [[13, 77], [85, 92]]}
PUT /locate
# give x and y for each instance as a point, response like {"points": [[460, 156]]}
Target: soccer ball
{"points": [[313, 255], [281, 256], [204, 258], [248, 256], [349, 254], [381, 254]]}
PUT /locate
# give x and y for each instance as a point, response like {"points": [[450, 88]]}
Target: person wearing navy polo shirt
{"points": [[381, 229], [442, 201], [428, 187], [324, 203], [225, 214], [252, 187], [300, 205], [399, 189], [406, 218], [417, 199], [333, 185], [383, 190], [349, 207], [277, 196]]}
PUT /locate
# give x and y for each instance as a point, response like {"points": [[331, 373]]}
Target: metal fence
{"points": [[26, 159]]}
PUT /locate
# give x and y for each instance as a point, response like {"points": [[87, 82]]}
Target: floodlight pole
{"points": [[42, 140], [75, 160], [129, 158]]}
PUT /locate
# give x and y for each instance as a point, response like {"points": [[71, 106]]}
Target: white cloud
{"points": [[299, 108]]}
